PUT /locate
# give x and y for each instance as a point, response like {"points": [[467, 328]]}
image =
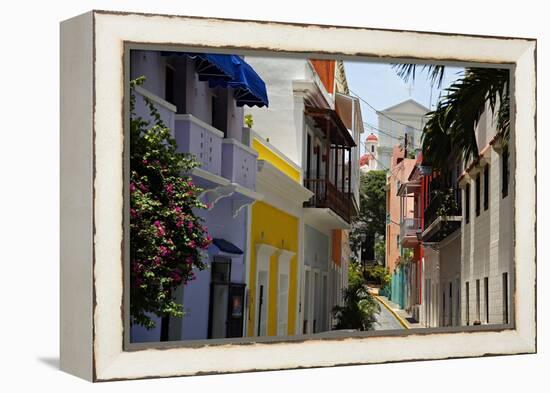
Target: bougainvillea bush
{"points": [[167, 239]]}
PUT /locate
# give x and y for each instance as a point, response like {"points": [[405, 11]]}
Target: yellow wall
{"points": [[264, 153], [274, 227]]}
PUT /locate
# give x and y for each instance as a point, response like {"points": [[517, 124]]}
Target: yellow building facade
{"points": [[275, 252], [275, 228]]}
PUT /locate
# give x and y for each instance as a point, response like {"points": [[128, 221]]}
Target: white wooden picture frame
{"points": [[92, 182]]}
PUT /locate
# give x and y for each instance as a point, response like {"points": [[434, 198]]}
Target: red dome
{"points": [[372, 138]]}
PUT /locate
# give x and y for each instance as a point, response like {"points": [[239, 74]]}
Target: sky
{"points": [[381, 87]]}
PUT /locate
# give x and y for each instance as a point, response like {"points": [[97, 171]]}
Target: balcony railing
{"points": [[218, 155], [326, 195], [441, 204], [166, 111], [239, 163], [410, 229], [201, 139], [442, 215]]}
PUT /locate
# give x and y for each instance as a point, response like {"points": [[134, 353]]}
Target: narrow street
{"points": [[385, 320]]}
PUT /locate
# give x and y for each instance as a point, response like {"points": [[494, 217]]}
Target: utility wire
{"points": [[381, 113], [399, 138], [390, 171], [388, 133]]}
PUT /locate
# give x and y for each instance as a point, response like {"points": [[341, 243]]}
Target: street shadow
{"points": [[52, 362]]}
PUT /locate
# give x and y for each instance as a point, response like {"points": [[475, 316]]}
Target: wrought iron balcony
{"points": [[411, 228], [327, 195], [442, 216]]}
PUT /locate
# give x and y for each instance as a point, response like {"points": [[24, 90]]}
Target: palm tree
{"points": [[449, 132]]}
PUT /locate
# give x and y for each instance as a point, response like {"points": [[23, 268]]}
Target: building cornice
{"points": [[270, 180]]}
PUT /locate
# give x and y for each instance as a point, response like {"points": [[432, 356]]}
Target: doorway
{"points": [[262, 295], [226, 302]]}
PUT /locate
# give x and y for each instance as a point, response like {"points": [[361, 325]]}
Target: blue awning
{"points": [[249, 87], [226, 246], [209, 66], [230, 71]]}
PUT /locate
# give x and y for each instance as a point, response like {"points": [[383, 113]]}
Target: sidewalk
{"points": [[404, 317]]}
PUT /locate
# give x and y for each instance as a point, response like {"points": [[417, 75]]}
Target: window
{"points": [[397, 245], [169, 85], [409, 138], [307, 285], [467, 289], [308, 159], [486, 288], [213, 108], [467, 208], [486, 187], [372, 148], [478, 303], [478, 194], [505, 317], [220, 111], [505, 171], [443, 297], [450, 304], [318, 162], [221, 270]]}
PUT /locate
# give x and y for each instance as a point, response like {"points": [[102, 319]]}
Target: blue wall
{"points": [[399, 286]]}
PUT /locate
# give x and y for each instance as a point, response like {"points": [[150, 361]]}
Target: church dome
{"points": [[372, 138]]}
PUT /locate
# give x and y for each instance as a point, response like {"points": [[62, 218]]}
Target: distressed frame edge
{"points": [[76, 196]]}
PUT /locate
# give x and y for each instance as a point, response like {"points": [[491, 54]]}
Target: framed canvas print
{"points": [[244, 195]]}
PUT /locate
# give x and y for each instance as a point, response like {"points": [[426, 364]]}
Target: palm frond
{"points": [[407, 72], [450, 130]]}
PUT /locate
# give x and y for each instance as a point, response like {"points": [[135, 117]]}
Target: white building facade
{"points": [[400, 121], [487, 277]]}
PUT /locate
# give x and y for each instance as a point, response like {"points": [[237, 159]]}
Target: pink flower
{"points": [[164, 251], [206, 242], [133, 213], [157, 261], [177, 209], [132, 187], [136, 267], [169, 188], [160, 229], [192, 244], [175, 275], [189, 260], [190, 183], [190, 225]]}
